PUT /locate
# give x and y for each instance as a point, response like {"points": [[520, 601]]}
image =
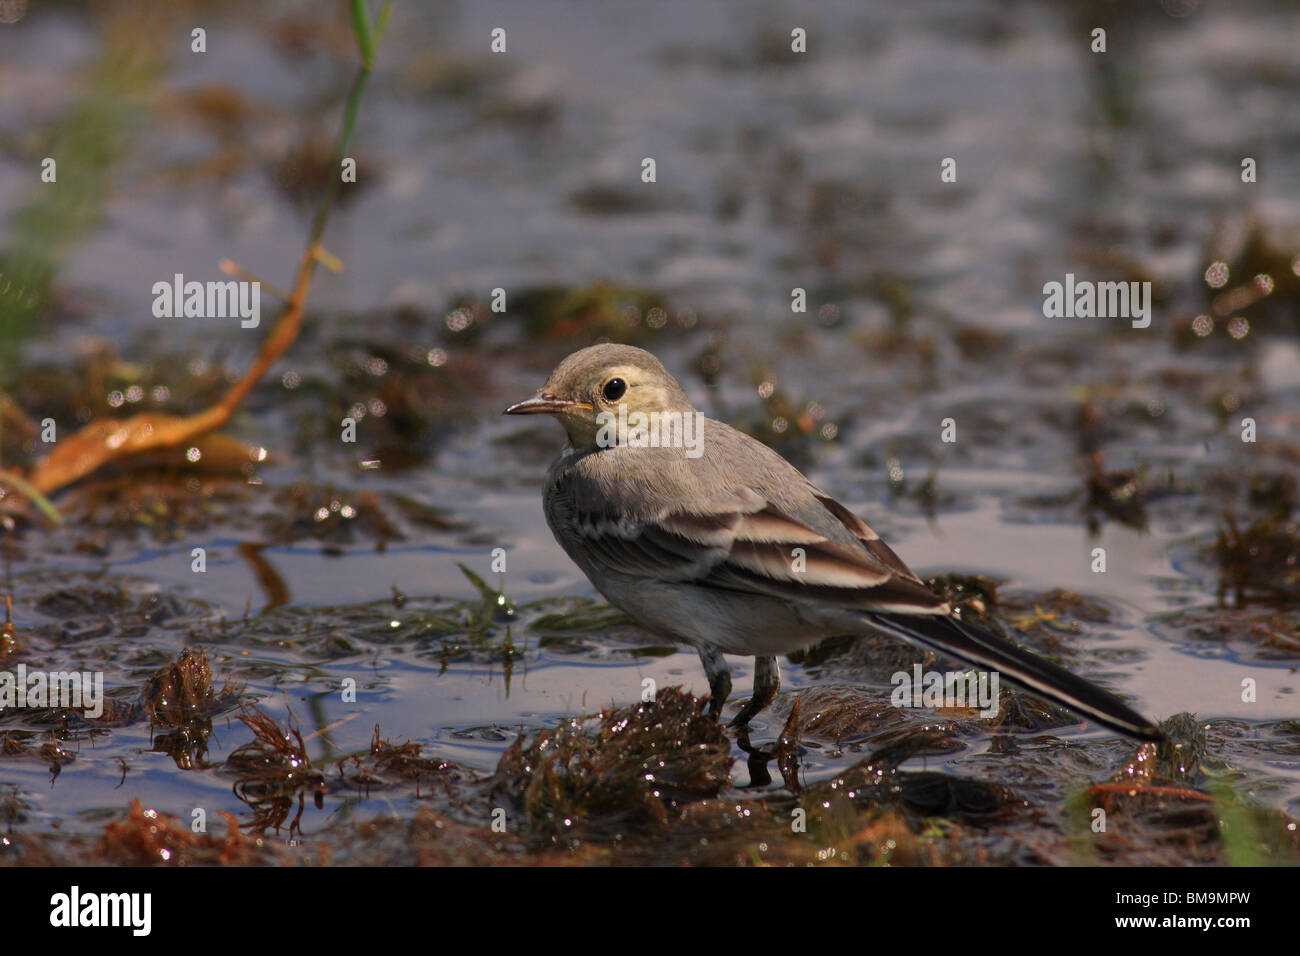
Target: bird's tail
{"points": [[975, 645]]}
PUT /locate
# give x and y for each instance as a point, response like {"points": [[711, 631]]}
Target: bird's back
{"points": [[644, 484]]}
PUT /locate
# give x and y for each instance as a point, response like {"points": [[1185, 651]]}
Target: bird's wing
{"points": [[743, 541]]}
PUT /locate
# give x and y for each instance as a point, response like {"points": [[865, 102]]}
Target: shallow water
{"points": [[521, 171]]}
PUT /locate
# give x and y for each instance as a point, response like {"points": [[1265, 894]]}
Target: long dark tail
{"points": [[975, 645]]}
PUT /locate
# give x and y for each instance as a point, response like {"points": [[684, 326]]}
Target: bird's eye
{"points": [[614, 389]]}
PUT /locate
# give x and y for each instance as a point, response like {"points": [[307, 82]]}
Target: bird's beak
{"points": [[543, 403]]}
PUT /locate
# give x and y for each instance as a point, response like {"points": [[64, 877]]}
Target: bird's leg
{"points": [[757, 761], [767, 680], [719, 675]]}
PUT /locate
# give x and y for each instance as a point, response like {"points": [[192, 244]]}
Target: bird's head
{"points": [[598, 380]]}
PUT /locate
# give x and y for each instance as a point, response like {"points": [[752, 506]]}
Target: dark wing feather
{"points": [[757, 548]]}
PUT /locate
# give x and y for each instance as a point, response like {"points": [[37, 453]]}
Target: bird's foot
{"points": [[719, 675], [714, 709], [767, 681], [752, 707], [784, 751]]}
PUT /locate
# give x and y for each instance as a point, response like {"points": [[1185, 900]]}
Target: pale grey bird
{"points": [[734, 551]]}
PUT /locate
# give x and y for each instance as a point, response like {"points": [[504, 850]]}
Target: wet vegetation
{"points": [[354, 594]]}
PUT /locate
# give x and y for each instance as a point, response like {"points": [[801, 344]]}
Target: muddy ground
{"points": [[348, 680]]}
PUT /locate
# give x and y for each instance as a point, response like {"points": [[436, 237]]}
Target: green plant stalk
{"points": [[26, 490], [91, 141], [367, 44], [361, 27], [1244, 844]]}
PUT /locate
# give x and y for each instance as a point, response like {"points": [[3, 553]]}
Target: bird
{"points": [[705, 536]]}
